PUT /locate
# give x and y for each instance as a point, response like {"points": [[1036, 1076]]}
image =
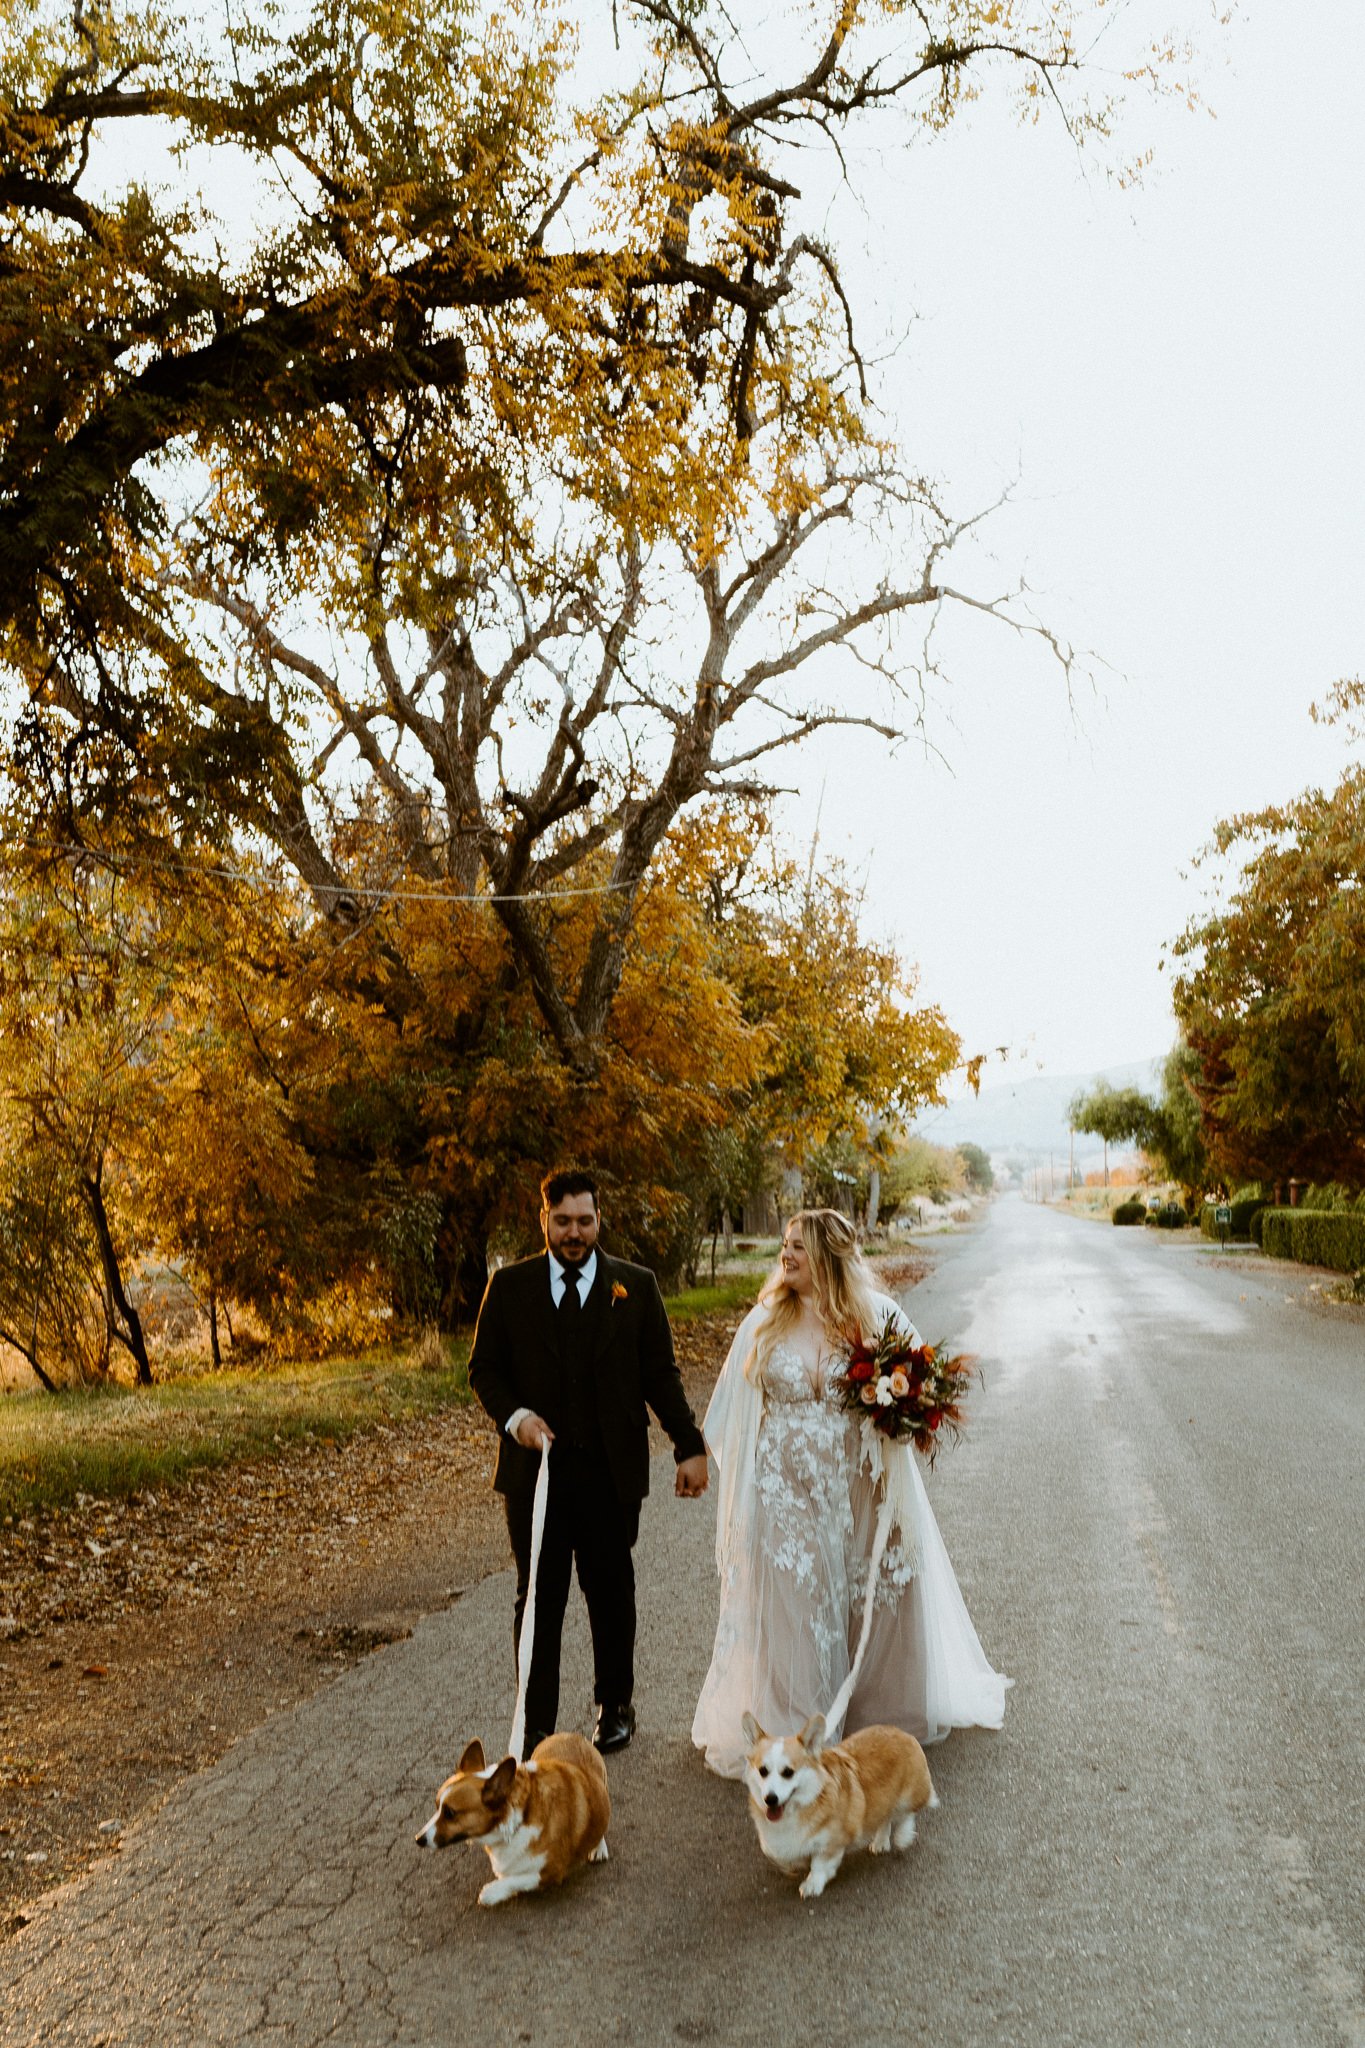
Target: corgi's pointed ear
{"points": [[751, 1731], [812, 1736], [472, 1760], [498, 1783]]}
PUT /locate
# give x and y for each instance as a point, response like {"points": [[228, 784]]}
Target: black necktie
{"points": [[569, 1304]]}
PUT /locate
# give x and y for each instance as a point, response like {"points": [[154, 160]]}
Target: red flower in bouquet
{"points": [[905, 1390]]}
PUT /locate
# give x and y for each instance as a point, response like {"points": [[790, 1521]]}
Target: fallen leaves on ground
{"points": [[139, 1638]]}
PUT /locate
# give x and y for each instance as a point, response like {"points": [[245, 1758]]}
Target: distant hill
{"points": [[1028, 1116]]}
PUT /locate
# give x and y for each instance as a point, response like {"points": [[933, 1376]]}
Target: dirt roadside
{"points": [[138, 1639]]}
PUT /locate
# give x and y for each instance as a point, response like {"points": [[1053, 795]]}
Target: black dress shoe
{"points": [[615, 1726]]}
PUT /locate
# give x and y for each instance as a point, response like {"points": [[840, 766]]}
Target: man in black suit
{"points": [[570, 1346]]}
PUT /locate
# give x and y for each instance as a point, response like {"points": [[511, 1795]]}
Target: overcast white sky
{"points": [[1175, 377]]}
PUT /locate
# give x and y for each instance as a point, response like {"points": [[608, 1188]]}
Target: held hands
{"points": [[532, 1432], [692, 1478]]}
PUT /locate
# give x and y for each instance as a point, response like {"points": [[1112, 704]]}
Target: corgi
{"points": [[812, 1804], [538, 1820]]}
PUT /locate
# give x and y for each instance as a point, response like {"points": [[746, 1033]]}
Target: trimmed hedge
{"points": [[1130, 1212], [1171, 1216], [1244, 1214], [1315, 1237]]}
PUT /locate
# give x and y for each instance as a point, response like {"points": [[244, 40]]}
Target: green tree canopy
{"points": [[1270, 993], [977, 1166], [1168, 1127]]}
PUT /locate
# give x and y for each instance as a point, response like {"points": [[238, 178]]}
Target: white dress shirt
{"points": [[587, 1273]]}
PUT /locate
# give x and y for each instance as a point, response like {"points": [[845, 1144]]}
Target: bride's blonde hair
{"points": [[845, 1297]]}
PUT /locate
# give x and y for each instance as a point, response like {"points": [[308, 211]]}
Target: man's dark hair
{"points": [[567, 1181]]}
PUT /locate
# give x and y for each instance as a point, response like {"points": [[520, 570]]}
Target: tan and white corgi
{"points": [[538, 1820], [812, 1804]]}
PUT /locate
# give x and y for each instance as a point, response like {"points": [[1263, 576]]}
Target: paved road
{"points": [[1159, 1523]]}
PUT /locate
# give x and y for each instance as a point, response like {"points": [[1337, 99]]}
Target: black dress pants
{"points": [[586, 1525]]}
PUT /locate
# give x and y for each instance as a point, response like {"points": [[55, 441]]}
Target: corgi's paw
{"points": [[881, 1841], [904, 1833], [818, 1876], [599, 1854], [502, 1888]]}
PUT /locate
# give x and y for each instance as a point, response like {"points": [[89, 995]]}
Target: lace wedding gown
{"points": [[796, 1514]]}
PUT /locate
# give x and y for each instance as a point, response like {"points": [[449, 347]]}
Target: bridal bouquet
{"points": [[905, 1390]]}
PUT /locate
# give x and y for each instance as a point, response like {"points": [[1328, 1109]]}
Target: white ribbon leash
{"points": [[527, 1638], [882, 1536], [896, 1510]]}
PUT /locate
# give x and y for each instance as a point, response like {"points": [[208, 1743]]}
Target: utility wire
{"points": [[123, 863]]}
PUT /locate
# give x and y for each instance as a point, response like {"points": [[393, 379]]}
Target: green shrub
{"points": [[1275, 1232], [1171, 1216], [1315, 1237], [1130, 1212], [1245, 1209]]}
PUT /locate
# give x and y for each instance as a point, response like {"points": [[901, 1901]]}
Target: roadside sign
{"points": [[1222, 1213]]}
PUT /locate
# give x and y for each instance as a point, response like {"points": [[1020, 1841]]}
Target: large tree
{"points": [[438, 432], [405, 200], [1168, 1127], [1269, 990]]}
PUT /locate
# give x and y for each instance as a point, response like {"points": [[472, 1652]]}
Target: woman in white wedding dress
{"points": [[797, 1511]]}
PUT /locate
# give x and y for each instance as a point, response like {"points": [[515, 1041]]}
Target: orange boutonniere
{"points": [[619, 1292]]}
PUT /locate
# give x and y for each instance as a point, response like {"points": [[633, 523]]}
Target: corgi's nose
{"points": [[771, 1802]]}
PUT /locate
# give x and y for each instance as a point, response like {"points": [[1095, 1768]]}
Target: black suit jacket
{"points": [[515, 1364]]}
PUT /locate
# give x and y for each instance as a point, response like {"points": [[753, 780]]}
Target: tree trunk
{"points": [[131, 1334], [45, 1379], [462, 1279], [213, 1330]]}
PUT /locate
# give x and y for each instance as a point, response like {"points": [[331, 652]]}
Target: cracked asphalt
{"points": [[1158, 1521]]}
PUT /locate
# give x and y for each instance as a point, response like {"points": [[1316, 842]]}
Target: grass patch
{"points": [[115, 1441], [1098, 1204], [732, 1291]]}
